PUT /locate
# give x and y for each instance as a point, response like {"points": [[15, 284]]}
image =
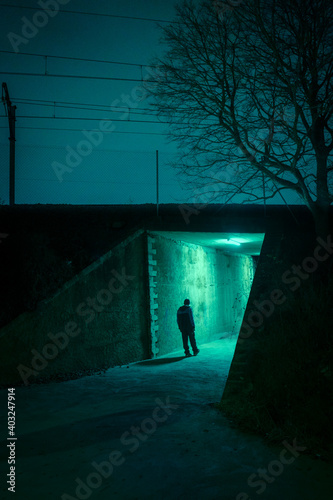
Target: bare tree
{"points": [[251, 87]]}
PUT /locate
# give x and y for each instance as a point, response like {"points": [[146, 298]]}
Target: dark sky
{"points": [[120, 165]]}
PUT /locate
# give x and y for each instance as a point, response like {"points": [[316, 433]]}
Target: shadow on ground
{"points": [[159, 361]]}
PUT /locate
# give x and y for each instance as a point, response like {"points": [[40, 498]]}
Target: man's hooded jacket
{"points": [[185, 319]]}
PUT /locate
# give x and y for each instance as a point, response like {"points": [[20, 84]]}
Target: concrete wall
{"points": [[218, 286], [99, 320], [123, 308], [239, 385]]}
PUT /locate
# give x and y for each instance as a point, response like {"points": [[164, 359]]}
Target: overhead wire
{"points": [[85, 77], [52, 102], [103, 61], [144, 183], [80, 130], [61, 104], [155, 122], [97, 107], [116, 16], [99, 61], [81, 106]]}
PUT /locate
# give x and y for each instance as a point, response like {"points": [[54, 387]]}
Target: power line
{"points": [[85, 107], [55, 104], [80, 130], [62, 102], [149, 19], [155, 122], [78, 59], [76, 181], [74, 105], [99, 149], [72, 76], [92, 181], [77, 118], [100, 107]]}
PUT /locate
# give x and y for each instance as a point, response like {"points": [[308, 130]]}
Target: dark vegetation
{"points": [[247, 93], [48, 245]]}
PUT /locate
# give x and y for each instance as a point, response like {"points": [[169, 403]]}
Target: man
{"points": [[186, 325]]}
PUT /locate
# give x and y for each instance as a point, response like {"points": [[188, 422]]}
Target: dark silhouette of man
{"points": [[186, 325]]}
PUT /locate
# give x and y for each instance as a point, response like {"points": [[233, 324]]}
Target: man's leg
{"points": [[185, 342], [193, 342]]}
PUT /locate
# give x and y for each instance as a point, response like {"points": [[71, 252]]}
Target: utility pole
{"points": [[157, 184], [10, 112]]}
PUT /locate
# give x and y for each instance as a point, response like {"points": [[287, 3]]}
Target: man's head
{"points": [[186, 302]]}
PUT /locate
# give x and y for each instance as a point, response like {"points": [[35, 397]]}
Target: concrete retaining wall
{"points": [[238, 384], [123, 308], [218, 286], [96, 320]]}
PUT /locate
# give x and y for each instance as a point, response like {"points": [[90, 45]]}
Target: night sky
{"points": [[119, 164]]}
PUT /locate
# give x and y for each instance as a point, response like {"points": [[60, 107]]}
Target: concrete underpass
{"points": [[143, 424], [123, 307]]}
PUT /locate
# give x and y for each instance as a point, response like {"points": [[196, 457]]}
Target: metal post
{"points": [[157, 187], [12, 141], [11, 120]]}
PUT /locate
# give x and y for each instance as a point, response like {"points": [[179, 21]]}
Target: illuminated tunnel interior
{"points": [[214, 270], [122, 308]]}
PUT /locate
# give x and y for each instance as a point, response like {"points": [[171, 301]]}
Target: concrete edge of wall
{"points": [[160, 234], [153, 296], [237, 385]]}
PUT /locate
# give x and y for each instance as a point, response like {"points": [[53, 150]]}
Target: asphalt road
{"points": [[148, 431]]}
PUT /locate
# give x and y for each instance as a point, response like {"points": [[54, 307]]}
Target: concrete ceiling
{"points": [[241, 243]]}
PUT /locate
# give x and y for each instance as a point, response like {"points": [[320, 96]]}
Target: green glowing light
{"points": [[229, 241]]}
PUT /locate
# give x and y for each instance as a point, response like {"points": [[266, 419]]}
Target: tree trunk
{"points": [[321, 216], [323, 230]]}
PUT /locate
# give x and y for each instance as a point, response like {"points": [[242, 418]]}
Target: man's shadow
{"points": [[159, 361]]}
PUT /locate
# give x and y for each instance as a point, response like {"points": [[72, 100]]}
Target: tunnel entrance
{"points": [[214, 270]]}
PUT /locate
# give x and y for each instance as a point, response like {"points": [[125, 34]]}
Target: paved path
{"points": [[147, 431]]}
